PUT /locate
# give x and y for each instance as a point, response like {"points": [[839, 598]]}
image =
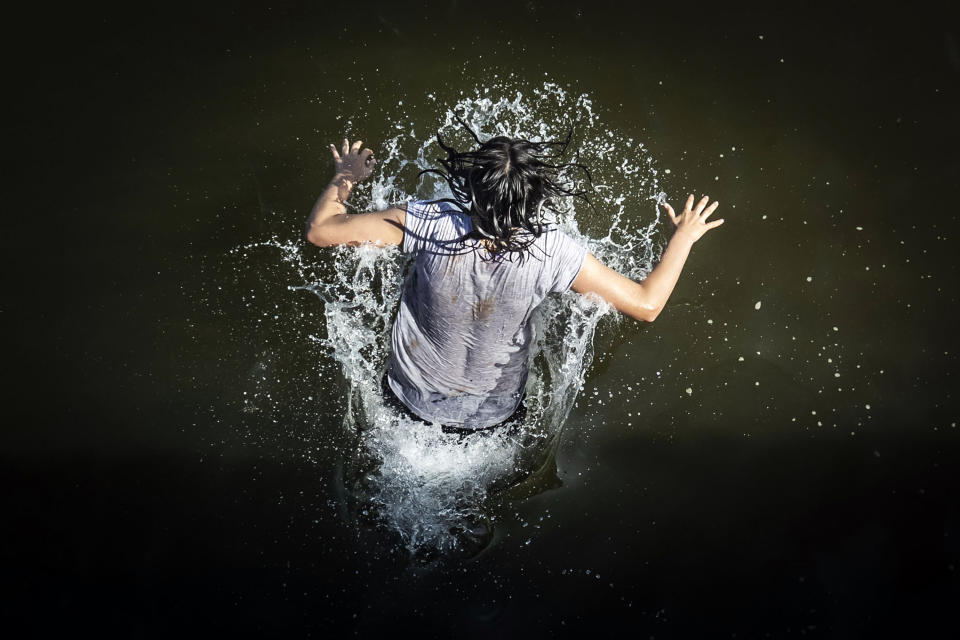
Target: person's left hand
{"points": [[351, 163], [692, 222]]}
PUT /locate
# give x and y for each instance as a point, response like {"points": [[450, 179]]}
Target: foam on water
{"points": [[423, 485]]}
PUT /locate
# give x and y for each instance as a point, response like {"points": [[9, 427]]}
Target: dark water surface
{"points": [[810, 488]]}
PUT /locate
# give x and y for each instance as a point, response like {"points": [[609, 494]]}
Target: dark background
{"points": [[145, 144]]}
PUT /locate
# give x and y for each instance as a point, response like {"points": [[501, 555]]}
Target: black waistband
{"points": [[391, 400]]}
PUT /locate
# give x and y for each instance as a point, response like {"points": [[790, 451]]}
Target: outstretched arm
{"points": [[329, 223], [645, 300]]}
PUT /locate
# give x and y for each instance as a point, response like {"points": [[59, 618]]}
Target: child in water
{"points": [[483, 260]]}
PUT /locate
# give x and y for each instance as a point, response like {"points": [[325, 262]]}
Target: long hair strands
{"points": [[507, 186]]}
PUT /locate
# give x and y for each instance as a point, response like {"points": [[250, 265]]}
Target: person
{"points": [[484, 259]]}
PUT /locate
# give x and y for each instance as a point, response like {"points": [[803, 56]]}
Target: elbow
{"points": [[314, 236], [646, 313], [327, 233], [645, 305]]}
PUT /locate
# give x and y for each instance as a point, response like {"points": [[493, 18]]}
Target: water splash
{"points": [[427, 487]]}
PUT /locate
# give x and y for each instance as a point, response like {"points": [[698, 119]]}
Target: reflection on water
{"points": [[426, 487]]}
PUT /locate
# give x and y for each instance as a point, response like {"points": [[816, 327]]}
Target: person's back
{"points": [[485, 258], [462, 333]]}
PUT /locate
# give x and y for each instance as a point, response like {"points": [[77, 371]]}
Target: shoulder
{"points": [[555, 239], [428, 222], [564, 257], [432, 209]]}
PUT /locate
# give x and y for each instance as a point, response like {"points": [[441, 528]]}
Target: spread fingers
{"points": [[709, 210], [700, 205]]}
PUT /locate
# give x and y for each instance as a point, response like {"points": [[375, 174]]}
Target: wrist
{"points": [[343, 183], [342, 180], [684, 237]]}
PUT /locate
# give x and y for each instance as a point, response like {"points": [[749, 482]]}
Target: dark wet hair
{"points": [[507, 186]]}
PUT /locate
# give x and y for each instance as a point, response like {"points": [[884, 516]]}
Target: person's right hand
{"points": [[351, 163], [693, 221]]}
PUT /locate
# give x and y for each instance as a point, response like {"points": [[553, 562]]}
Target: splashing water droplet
{"points": [[429, 487]]}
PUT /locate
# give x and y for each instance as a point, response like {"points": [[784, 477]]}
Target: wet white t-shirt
{"points": [[461, 338]]}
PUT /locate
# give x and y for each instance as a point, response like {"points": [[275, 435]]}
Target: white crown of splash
{"points": [[426, 483]]}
